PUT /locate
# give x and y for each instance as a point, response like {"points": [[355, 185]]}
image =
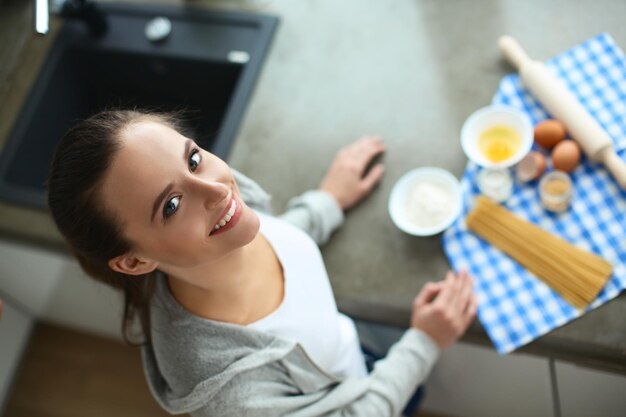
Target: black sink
{"points": [[207, 67]]}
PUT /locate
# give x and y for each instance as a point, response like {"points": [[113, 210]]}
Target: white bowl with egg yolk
{"points": [[425, 201], [513, 139]]}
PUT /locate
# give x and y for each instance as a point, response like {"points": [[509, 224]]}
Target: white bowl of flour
{"points": [[425, 201]]}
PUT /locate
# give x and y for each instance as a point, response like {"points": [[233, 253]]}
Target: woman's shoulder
{"points": [[190, 354], [282, 378], [174, 331]]}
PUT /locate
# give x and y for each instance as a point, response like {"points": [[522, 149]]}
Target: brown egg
{"points": [[530, 167], [566, 155], [549, 132]]}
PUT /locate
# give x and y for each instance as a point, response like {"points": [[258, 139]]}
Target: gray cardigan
{"points": [[210, 368]]}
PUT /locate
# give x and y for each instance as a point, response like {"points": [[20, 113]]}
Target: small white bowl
{"points": [[486, 117], [400, 193]]}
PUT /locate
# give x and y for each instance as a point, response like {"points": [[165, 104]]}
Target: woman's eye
{"points": [[171, 206], [194, 160]]}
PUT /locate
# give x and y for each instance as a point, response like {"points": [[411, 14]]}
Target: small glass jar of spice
{"points": [[555, 191]]}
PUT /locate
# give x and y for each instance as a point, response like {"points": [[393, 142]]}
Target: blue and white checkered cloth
{"points": [[515, 307]]}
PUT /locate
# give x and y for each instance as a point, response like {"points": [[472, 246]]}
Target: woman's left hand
{"points": [[344, 179]]}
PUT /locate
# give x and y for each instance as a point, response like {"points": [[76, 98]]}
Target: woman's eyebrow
{"points": [[166, 191]]}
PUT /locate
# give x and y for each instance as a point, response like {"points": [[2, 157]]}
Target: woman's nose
{"points": [[212, 192]]}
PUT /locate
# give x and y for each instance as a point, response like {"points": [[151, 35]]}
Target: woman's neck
{"points": [[242, 287]]}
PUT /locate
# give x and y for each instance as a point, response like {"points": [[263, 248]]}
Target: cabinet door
{"points": [[53, 288], [79, 302], [473, 381], [586, 392], [29, 275], [15, 327]]}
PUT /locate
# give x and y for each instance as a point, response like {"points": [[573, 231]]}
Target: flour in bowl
{"points": [[428, 203]]}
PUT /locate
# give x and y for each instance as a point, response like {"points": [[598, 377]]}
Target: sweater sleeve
{"points": [[384, 393], [316, 212], [407, 365], [394, 378]]}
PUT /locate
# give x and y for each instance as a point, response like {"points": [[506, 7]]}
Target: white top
{"points": [[308, 313]]}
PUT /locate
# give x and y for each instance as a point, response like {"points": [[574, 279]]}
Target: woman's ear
{"points": [[132, 265]]}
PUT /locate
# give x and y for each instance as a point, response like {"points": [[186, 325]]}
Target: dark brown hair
{"points": [[81, 160]]}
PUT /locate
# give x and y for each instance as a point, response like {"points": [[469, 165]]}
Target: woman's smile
{"points": [[229, 218]]}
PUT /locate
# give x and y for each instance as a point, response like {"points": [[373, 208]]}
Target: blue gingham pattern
{"points": [[515, 307]]}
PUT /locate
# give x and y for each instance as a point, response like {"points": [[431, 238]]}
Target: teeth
{"points": [[227, 216]]}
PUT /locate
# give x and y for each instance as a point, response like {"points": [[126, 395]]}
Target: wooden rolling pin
{"points": [[564, 106]]}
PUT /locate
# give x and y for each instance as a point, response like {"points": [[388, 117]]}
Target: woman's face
{"points": [[171, 197]]}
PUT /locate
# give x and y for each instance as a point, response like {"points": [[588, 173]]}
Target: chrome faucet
{"points": [[41, 15], [85, 10]]}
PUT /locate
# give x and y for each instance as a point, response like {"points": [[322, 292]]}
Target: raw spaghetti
{"points": [[577, 275]]}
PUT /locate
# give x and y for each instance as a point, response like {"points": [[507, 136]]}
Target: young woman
{"points": [[236, 310]]}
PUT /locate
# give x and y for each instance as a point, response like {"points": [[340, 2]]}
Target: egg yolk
{"points": [[499, 143]]}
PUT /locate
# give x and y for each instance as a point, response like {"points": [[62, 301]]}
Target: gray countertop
{"points": [[411, 71]]}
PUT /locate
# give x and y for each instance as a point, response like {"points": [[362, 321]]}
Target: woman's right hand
{"points": [[445, 309]]}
